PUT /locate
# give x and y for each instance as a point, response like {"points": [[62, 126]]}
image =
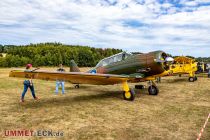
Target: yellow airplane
{"points": [[183, 65]]}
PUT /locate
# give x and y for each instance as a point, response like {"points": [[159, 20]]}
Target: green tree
{"points": [[85, 58], [51, 54]]}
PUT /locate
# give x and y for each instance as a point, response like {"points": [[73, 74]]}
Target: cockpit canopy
{"points": [[112, 59]]}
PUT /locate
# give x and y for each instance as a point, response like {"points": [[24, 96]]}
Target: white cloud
{"points": [[100, 23], [189, 3]]}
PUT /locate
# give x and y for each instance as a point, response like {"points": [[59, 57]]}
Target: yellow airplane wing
{"points": [[184, 60], [72, 77]]}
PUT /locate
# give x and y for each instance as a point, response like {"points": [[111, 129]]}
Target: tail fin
{"points": [[74, 67]]}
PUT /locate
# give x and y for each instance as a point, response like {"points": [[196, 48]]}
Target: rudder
{"points": [[74, 67]]}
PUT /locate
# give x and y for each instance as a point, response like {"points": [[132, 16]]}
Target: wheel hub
{"points": [[127, 95]]}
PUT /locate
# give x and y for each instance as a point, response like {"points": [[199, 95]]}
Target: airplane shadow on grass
{"points": [[67, 100], [175, 80], [81, 87]]}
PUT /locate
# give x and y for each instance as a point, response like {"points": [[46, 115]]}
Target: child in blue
{"points": [[28, 84]]}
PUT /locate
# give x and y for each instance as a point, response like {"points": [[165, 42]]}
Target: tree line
{"points": [[52, 54]]}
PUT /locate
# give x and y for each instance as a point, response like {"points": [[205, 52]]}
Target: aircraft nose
{"points": [[165, 60]]}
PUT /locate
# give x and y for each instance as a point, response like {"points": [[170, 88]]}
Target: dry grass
{"points": [[99, 112]]}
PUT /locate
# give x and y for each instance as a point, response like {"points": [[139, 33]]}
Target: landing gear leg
{"points": [[128, 94], [158, 79], [152, 89]]}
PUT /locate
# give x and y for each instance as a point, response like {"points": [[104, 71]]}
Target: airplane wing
{"points": [[72, 77]]}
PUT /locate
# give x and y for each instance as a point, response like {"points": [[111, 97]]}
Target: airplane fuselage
{"points": [[136, 64]]}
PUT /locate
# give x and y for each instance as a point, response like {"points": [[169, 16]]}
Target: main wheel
{"points": [[195, 78], [129, 95], [139, 86], [76, 86], [191, 79], [153, 90]]}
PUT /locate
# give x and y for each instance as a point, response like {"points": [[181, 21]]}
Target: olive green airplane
{"points": [[119, 68]]}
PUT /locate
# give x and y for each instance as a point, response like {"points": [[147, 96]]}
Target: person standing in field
{"points": [[28, 83], [60, 82]]}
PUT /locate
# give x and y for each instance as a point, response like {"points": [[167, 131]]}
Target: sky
{"points": [[178, 27]]}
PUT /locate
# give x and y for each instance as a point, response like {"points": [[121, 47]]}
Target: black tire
{"points": [[191, 79], [131, 97], [76, 86], [153, 90], [139, 86], [195, 78]]}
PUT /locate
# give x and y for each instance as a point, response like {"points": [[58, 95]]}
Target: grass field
{"points": [[99, 112]]}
